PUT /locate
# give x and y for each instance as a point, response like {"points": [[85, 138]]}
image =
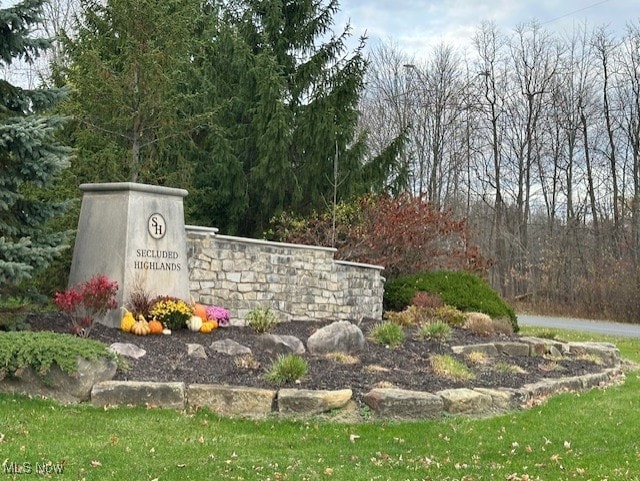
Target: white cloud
{"points": [[419, 25]]}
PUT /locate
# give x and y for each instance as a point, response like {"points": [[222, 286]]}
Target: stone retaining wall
{"points": [[297, 282], [385, 403]]}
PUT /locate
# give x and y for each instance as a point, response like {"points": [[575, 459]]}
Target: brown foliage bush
{"points": [[427, 299], [479, 324], [405, 234]]}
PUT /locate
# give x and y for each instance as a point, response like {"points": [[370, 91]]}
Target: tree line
{"points": [[534, 136], [258, 108]]}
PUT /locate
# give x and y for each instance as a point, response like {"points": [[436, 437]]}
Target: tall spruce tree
{"points": [[285, 92], [124, 65], [30, 156]]}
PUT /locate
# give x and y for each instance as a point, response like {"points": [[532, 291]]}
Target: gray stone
{"points": [[127, 349], [341, 336], [139, 393], [541, 347], [231, 400], [488, 349], [403, 404], [603, 378], [303, 401], [514, 349], [504, 399], [553, 352], [57, 384], [278, 344], [197, 351], [466, 401], [230, 347], [606, 351], [543, 388], [133, 234]]}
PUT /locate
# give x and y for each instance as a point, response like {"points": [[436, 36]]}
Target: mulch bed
{"points": [[405, 367]]}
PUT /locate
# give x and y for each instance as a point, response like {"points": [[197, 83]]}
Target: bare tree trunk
{"points": [[604, 45]]}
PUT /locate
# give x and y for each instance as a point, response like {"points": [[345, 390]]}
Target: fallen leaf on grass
{"points": [[353, 438], [95, 464]]}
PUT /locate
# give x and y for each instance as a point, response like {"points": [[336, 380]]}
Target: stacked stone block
{"points": [[296, 282]]}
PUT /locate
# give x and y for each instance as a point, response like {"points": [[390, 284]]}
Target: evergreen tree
{"points": [[285, 92], [124, 65], [30, 156]]}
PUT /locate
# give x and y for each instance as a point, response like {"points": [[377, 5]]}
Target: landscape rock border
{"points": [[93, 381], [383, 403]]}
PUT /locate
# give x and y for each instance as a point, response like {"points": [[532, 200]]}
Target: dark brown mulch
{"points": [[405, 367]]}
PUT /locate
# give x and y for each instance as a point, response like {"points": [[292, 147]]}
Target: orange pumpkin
{"points": [[200, 310], [155, 327]]}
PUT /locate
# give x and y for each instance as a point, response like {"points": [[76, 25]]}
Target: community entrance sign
{"points": [[133, 234]]}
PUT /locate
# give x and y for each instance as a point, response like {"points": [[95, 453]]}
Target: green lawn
{"points": [[587, 436]]}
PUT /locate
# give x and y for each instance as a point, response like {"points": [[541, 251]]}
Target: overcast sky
{"points": [[418, 25]]}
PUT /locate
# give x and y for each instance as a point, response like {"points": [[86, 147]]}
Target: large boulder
{"points": [[230, 347], [127, 349], [196, 351], [340, 336], [59, 385], [277, 344]]}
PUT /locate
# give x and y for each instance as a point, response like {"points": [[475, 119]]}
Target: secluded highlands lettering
{"points": [[157, 260]]}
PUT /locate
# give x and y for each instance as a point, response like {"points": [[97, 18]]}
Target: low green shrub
{"points": [[463, 290], [13, 313], [287, 368], [40, 350], [387, 333], [262, 320]]}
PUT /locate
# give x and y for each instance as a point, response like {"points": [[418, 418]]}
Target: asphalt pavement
{"points": [[600, 327]]}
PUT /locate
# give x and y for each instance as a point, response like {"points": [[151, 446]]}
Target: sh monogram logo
{"points": [[157, 226]]}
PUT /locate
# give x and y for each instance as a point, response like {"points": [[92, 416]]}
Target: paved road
{"points": [[600, 327]]}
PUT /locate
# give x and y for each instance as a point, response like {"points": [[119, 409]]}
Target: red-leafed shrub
{"points": [[86, 301], [427, 299], [405, 234]]}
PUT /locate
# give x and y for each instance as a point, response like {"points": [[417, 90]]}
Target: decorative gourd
{"points": [[127, 321], [155, 327], [208, 326], [166, 331], [200, 310], [140, 328], [194, 323]]}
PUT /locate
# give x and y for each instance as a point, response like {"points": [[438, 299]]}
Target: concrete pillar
{"points": [[134, 234]]}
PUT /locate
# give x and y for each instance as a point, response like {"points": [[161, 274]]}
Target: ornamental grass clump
{"points": [[436, 330], [479, 324], [86, 301], [287, 368], [387, 333], [450, 315], [262, 320], [449, 367], [171, 312], [412, 316]]}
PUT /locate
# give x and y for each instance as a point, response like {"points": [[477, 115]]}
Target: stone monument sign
{"points": [[134, 234]]}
